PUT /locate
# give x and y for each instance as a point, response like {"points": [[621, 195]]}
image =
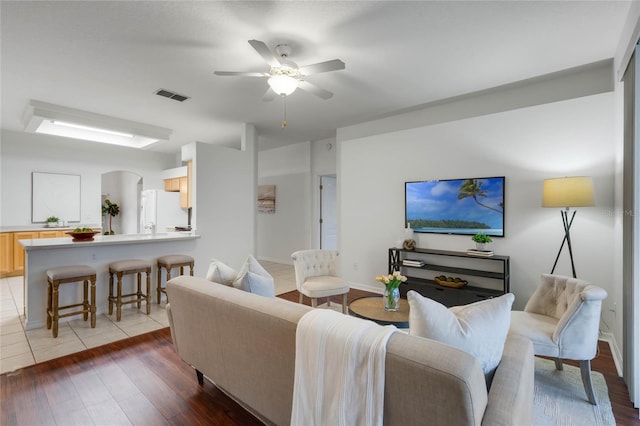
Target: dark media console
{"points": [[493, 269]]}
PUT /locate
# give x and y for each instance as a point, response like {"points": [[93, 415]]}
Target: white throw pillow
{"points": [[479, 328], [221, 273], [253, 278]]}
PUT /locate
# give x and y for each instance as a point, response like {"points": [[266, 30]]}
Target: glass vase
{"points": [[391, 299]]}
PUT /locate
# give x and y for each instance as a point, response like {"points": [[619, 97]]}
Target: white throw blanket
{"points": [[339, 370]]}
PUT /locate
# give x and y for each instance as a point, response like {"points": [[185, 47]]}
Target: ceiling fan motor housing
{"points": [[283, 50]]}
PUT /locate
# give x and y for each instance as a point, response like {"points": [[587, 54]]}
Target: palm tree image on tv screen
{"points": [[456, 206]]}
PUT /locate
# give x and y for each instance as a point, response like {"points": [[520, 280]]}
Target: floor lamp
{"points": [[567, 192]]}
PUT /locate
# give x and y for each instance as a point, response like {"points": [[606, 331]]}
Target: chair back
{"points": [[314, 263]]}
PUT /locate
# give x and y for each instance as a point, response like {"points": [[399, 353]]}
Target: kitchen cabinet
{"points": [[181, 184], [172, 185], [52, 234], [184, 192], [18, 250], [6, 253]]}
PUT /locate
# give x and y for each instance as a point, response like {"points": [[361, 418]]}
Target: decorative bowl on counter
{"points": [[82, 236]]}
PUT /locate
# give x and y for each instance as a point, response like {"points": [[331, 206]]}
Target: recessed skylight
{"points": [[56, 120]]}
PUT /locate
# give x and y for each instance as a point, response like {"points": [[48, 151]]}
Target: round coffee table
{"points": [[371, 308]]}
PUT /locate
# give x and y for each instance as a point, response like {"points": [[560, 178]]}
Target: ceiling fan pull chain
{"points": [[284, 111]]}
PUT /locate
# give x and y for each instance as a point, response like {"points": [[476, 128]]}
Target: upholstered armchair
{"points": [[562, 319], [317, 276]]}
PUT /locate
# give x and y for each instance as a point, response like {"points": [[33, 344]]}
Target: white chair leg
{"points": [[344, 303], [585, 372], [558, 364], [300, 298], [314, 302]]}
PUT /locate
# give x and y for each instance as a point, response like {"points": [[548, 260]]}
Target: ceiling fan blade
{"points": [[326, 66], [312, 88], [241, 74], [269, 95], [264, 51]]}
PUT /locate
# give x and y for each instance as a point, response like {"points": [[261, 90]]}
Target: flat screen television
{"points": [[456, 206]]}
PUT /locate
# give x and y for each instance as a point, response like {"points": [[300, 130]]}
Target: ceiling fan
{"points": [[285, 76]]}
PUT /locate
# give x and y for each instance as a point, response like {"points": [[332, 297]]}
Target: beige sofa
{"points": [[245, 344]]}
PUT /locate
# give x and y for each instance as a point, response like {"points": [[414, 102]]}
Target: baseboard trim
{"points": [[615, 350], [366, 287], [271, 259]]}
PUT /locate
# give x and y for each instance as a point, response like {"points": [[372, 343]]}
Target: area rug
{"points": [[559, 397]]}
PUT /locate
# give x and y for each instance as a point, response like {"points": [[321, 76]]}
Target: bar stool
{"points": [[126, 267], [64, 275], [169, 262]]}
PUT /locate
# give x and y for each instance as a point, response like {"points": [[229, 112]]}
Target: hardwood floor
{"points": [[141, 380]]}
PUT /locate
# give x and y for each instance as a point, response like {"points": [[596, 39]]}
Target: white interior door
{"points": [[328, 213]]}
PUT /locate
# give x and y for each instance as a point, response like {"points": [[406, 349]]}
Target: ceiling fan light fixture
{"points": [[283, 84]]}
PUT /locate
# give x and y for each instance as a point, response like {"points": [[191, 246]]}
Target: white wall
{"points": [[122, 188], [295, 170], [224, 182], [289, 228], [24, 153], [323, 162], [527, 145]]}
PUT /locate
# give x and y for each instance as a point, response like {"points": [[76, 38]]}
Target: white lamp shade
{"points": [[576, 191], [283, 84]]}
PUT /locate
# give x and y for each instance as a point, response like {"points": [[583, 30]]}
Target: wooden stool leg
{"points": [[139, 293], [85, 300], [92, 307], [119, 298], [49, 304], [181, 270], [191, 268], [168, 278], [110, 293], [54, 309], [148, 295], [159, 288]]}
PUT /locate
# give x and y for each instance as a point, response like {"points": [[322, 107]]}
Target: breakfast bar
{"points": [[43, 254]]}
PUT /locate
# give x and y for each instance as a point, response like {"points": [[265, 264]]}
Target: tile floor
{"points": [[20, 348]]}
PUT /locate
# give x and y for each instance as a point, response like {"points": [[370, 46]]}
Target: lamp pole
{"points": [[567, 237]]}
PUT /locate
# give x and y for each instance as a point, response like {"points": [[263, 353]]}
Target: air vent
{"points": [[171, 95]]}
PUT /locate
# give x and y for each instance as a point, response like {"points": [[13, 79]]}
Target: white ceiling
{"points": [[109, 57]]}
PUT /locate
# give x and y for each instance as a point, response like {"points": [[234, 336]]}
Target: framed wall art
{"points": [[266, 199]]}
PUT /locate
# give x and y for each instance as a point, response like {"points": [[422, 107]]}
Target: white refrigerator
{"points": [[159, 210]]}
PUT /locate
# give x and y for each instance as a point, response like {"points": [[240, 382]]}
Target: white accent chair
{"points": [[562, 320], [317, 276]]}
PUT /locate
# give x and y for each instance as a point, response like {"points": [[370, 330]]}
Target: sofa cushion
{"points": [[253, 278], [221, 273], [479, 328]]}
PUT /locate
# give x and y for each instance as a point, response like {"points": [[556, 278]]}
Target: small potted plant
{"points": [[111, 209], [481, 239], [52, 221]]}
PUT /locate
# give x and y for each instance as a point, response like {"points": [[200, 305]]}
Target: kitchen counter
{"points": [[39, 227], [105, 240], [43, 254]]}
